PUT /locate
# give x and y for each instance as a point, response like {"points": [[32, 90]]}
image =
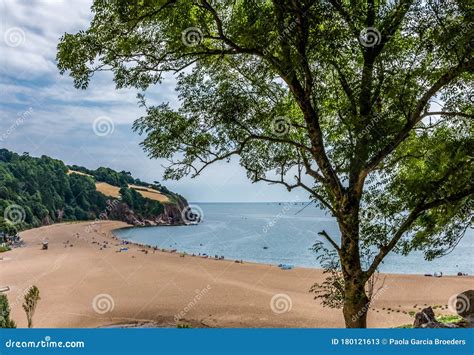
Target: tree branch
{"points": [[417, 115], [324, 234], [444, 113], [414, 214], [206, 5], [290, 187]]}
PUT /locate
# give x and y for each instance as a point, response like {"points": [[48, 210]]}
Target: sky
{"points": [[43, 114]]}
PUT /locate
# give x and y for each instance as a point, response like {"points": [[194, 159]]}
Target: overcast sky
{"points": [[42, 113]]}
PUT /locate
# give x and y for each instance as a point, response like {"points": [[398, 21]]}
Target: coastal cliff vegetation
{"points": [[41, 191]]}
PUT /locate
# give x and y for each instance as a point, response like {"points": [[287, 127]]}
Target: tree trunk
{"points": [[356, 303]]}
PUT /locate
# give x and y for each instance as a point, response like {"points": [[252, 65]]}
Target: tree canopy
{"points": [[367, 105]]}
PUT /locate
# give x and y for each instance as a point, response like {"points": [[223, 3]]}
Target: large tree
{"points": [[365, 104]]}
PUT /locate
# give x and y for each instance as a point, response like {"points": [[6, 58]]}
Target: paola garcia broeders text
{"points": [[398, 341], [427, 341]]}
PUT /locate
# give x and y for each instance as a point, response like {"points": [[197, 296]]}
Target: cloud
{"points": [[42, 113], [30, 32]]}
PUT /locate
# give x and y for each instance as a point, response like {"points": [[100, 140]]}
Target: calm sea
{"points": [[275, 233]]}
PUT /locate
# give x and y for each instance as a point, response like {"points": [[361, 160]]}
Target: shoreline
{"points": [[294, 266], [151, 287], [167, 250]]}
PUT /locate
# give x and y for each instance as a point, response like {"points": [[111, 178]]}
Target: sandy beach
{"points": [[83, 284]]}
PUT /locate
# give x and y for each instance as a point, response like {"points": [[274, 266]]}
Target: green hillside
{"points": [[40, 191]]}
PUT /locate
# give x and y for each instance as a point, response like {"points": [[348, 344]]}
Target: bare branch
{"points": [[324, 234], [444, 113], [290, 187]]}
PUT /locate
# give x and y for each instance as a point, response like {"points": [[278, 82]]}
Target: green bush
{"points": [[5, 321]]}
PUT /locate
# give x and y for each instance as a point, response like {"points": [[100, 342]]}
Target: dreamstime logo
{"points": [[459, 303], [103, 303], [370, 37], [281, 126], [365, 309], [14, 37], [461, 34], [370, 126], [273, 221], [103, 126], [199, 295], [191, 36], [281, 303], [104, 215], [284, 34], [192, 214], [22, 117], [14, 214]]}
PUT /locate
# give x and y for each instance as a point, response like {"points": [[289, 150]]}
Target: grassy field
{"points": [[107, 189], [113, 191], [77, 172], [150, 193]]}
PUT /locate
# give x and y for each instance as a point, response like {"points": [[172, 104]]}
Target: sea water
{"points": [[280, 233]]}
